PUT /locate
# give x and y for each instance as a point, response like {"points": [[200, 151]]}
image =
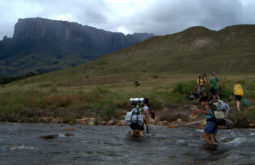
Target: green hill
{"points": [[195, 50]]}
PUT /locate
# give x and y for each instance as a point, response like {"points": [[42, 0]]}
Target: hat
{"points": [[213, 73]]}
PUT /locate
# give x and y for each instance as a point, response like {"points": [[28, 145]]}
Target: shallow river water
{"points": [[22, 144]]}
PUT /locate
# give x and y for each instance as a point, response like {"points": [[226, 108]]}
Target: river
{"points": [[21, 144]]}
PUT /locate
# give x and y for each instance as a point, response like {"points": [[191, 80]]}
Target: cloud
{"points": [[172, 16], [153, 16], [84, 12]]}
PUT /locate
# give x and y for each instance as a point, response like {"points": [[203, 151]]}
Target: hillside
{"points": [[41, 45], [195, 50], [163, 69]]}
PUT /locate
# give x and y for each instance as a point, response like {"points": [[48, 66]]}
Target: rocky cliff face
{"points": [[42, 45]]}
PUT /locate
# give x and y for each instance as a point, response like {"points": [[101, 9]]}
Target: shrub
{"points": [[137, 83], [184, 88]]}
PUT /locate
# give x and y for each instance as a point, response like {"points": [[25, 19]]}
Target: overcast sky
{"points": [[128, 16]]}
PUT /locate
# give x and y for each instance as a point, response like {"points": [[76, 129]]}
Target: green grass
{"points": [[105, 101]]}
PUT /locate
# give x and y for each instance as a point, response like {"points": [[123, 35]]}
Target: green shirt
{"points": [[214, 81]]}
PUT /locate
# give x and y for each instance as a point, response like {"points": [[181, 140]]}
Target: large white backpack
{"points": [[220, 109], [136, 116]]}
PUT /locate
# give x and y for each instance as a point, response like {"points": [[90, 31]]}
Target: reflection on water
{"points": [[22, 144]]}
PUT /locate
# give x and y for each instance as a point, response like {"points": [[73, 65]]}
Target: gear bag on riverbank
{"points": [[220, 110]]}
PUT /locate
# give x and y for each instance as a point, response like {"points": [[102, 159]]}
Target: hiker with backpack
{"points": [[211, 126], [238, 93], [201, 85], [215, 86], [216, 114], [139, 116]]}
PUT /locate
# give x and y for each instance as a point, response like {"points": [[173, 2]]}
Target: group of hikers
{"points": [[202, 85], [214, 83], [212, 107]]}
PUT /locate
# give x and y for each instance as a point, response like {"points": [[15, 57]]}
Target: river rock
{"points": [[185, 106], [103, 122], [251, 124], [171, 126], [92, 121], [49, 137], [153, 121], [69, 129], [122, 123], [83, 120], [110, 122], [69, 134], [45, 119], [179, 120], [71, 123], [193, 116], [229, 123], [57, 120], [193, 107]]}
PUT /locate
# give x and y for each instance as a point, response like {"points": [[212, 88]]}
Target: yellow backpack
{"points": [[238, 90]]}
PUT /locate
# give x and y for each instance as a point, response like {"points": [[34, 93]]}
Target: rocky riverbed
{"points": [[175, 115]]}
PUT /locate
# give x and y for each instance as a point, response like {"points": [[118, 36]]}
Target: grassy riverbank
{"points": [[38, 99]]}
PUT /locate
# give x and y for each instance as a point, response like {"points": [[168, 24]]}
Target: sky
{"points": [[129, 16]]}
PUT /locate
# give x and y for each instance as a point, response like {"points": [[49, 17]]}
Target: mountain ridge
{"points": [[41, 45]]}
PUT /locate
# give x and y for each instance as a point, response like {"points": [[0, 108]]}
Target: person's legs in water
{"points": [[206, 137], [212, 138], [135, 128], [210, 132], [141, 133], [132, 132]]}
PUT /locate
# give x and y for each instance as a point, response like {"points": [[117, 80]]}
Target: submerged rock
{"points": [[49, 137], [71, 123], [229, 123], [69, 129]]}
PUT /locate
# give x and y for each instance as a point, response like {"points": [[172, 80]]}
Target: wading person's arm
{"points": [[147, 118], [207, 110]]}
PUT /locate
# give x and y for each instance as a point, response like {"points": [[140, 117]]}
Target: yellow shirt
{"points": [[201, 81]]}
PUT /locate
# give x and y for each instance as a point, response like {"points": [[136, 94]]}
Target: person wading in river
{"points": [[145, 112], [211, 126]]}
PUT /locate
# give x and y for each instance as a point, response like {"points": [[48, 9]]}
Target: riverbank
{"points": [[100, 103], [173, 116]]}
